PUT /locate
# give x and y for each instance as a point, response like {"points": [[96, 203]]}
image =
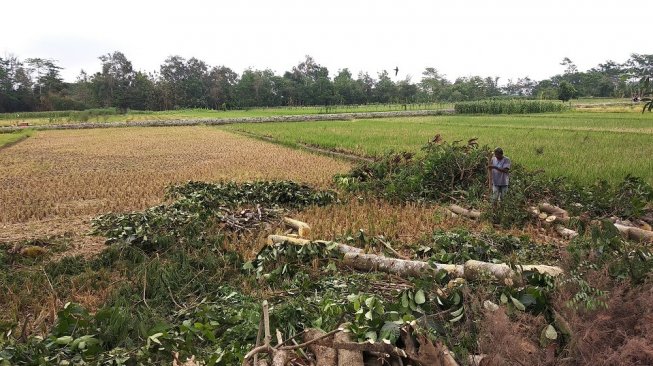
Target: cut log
{"points": [[324, 356], [302, 228], [343, 248], [402, 267], [634, 233], [472, 214], [556, 214], [566, 233], [347, 357], [554, 210]]}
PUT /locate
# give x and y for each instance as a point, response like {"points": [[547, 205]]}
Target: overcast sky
{"points": [[509, 39]]}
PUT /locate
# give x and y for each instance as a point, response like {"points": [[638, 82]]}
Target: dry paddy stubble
{"points": [[68, 174]]}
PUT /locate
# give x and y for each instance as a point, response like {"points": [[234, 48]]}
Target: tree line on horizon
{"points": [[35, 84]]}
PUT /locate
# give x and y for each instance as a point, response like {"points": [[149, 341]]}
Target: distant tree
{"points": [[433, 85], [566, 91], [257, 88], [647, 93], [385, 90], [222, 81], [570, 66], [112, 85], [407, 91], [46, 82], [185, 84], [366, 84], [345, 87], [523, 87]]}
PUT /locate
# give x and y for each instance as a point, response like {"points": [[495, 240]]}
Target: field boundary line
{"points": [[226, 121], [302, 146]]}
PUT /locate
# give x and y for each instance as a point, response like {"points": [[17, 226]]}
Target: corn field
{"points": [[513, 106]]}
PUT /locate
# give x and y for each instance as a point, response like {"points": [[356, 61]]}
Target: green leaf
{"points": [[63, 340], [551, 333], [404, 300], [420, 298], [504, 299], [371, 336], [518, 304]]}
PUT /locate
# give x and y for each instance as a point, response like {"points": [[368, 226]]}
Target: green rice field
{"points": [[582, 145], [8, 138]]}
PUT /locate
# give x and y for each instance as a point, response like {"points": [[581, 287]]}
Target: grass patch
{"points": [[11, 138]]}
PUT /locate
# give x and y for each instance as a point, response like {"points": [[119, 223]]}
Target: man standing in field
{"points": [[499, 169]]}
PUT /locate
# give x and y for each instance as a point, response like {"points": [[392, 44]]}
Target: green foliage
{"points": [[566, 91], [287, 194], [457, 247], [623, 259], [286, 259], [510, 106], [197, 203], [446, 171]]}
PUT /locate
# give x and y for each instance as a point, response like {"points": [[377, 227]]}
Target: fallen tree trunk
{"points": [[403, 267], [343, 248], [471, 270], [302, 228], [634, 233], [357, 259], [472, 214]]}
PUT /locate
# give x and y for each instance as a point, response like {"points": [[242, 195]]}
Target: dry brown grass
{"points": [[622, 334], [404, 224], [59, 174]]}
